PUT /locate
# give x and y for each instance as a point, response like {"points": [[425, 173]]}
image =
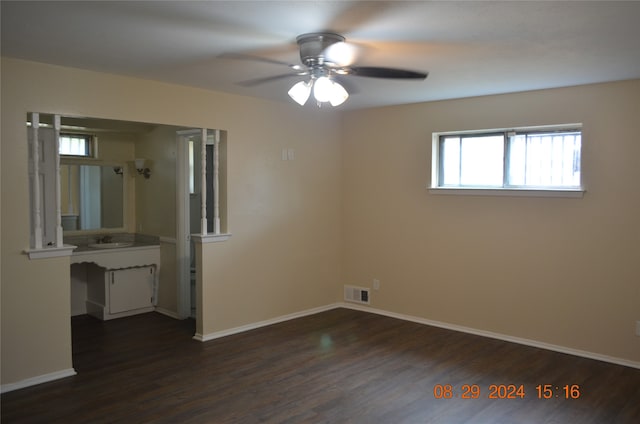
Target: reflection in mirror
{"points": [[91, 196]]}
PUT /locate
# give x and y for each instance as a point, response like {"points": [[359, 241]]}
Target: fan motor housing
{"points": [[314, 44]]}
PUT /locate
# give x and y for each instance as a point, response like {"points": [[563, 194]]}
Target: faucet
{"points": [[105, 239]]}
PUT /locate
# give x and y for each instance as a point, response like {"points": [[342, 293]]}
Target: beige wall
{"points": [[561, 271], [284, 215], [168, 288], [153, 195], [352, 207], [156, 205], [284, 256], [116, 147]]}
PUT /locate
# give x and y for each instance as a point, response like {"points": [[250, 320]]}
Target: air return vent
{"points": [[356, 294]]}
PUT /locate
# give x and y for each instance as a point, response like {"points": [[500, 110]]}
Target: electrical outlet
{"points": [[288, 154], [637, 328], [376, 284]]}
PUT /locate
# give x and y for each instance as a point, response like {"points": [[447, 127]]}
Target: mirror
{"points": [[92, 196]]}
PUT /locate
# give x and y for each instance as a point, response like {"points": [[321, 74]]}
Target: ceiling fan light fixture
{"points": [[322, 89], [300, 92], [327, 90], [338, 94]]}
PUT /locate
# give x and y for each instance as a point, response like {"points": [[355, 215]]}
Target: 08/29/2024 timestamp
{"points": [[505, 391]]}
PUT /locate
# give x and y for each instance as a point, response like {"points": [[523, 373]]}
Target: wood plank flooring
{"points": [[339, 366]]}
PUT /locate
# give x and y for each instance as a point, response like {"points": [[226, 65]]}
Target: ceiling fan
{"points": [[326, 58]]}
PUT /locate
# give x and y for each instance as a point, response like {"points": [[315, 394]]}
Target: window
{"points": [[520, 159], [76, 145]]}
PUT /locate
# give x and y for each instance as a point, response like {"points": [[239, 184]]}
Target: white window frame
{"points": [[90, 141], [506, 190]]}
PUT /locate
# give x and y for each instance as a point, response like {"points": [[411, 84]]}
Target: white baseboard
{"points": [[447, 326], [498, 336], [37, 380], [252, 326], [167, 312]]}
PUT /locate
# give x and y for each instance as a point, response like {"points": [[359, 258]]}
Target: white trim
{"points": [[167, 312], [253, 326], [50, 252], [183, 255], [539, 128], [216, 181], [498, 336], [203, 182], [35, 187], [210, 238], [37, 380], [515, 192], [189, 132], [58, 206]]}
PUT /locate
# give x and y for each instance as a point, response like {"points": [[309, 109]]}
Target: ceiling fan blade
{"points": [[375, 72], [242, 56], [354, 16], [258, 81]]}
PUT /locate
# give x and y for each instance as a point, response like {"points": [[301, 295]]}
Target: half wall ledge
{"points": [[210, 238]]}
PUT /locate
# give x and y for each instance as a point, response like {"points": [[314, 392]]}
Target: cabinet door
{"points": [[130, 289]]}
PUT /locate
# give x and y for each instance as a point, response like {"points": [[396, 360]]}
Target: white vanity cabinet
{"points": [[118, 293], [120, 282]]}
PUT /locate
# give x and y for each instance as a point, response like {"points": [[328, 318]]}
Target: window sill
{"points": [[50, 252], [513, 192]]}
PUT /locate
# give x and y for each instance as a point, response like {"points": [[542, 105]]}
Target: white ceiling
{"points": [[469, 48]]}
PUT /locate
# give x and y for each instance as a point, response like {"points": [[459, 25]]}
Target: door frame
{"points": [[183, 234]]}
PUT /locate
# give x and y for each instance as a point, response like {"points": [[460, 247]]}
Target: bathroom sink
{"points": [[113, 245]]}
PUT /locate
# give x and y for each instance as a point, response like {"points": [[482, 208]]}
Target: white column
{"points": [[216, 182], [69, 190], [203, 183], [37, 214], [56, 137], [183, 239]]}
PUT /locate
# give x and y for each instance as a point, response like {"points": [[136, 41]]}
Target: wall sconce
{"points": [[141, 169], [118, 170]]}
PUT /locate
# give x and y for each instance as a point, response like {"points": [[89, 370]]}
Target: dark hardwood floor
{"points": [[340, 366]]}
